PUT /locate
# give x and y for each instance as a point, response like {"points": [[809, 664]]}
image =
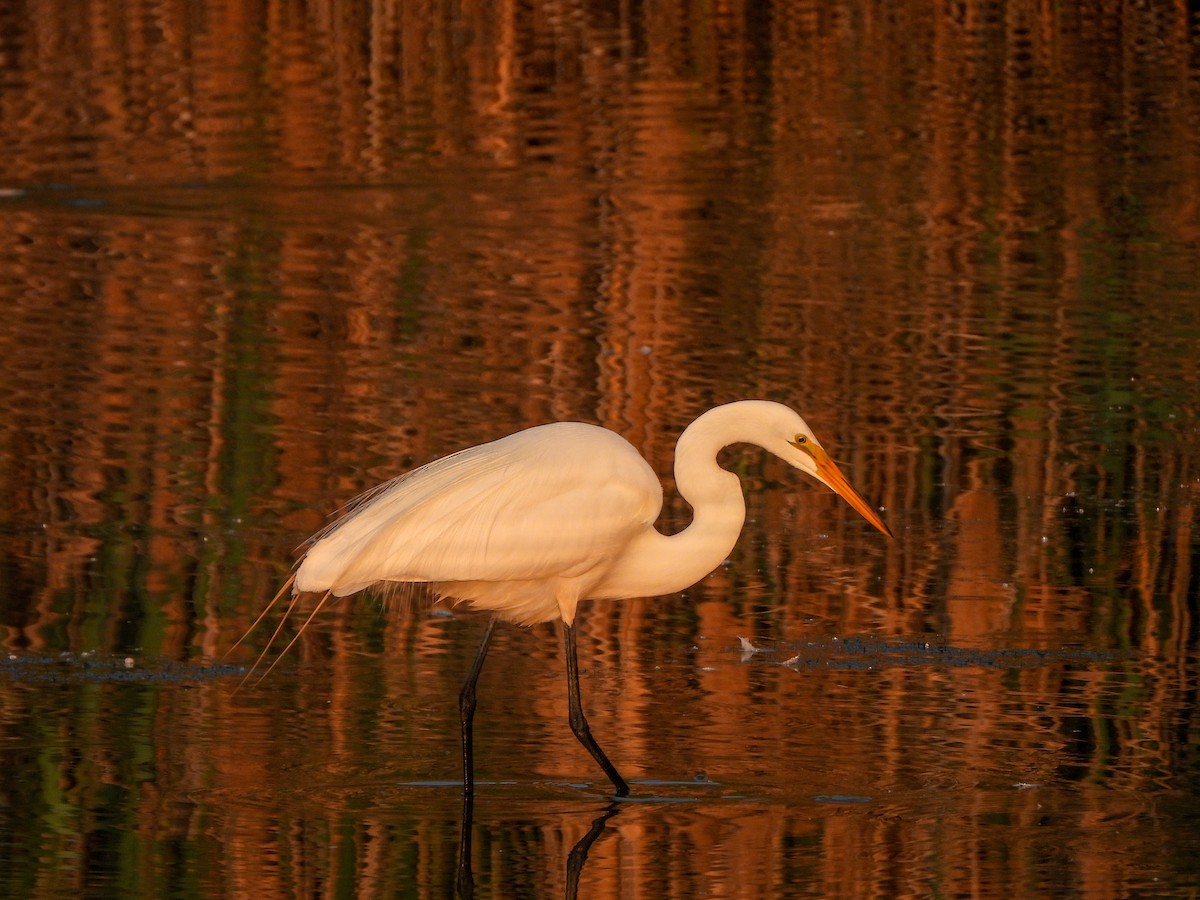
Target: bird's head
{"points": [[776, 428], [806, 454]]}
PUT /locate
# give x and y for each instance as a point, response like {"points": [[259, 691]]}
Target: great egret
{"points": [[527, 526]]}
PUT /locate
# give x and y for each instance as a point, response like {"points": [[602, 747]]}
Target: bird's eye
{"points": [[801, 442]]}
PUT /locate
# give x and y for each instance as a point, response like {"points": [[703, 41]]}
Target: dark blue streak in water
{"points": [[862, 653], [70, 668]]}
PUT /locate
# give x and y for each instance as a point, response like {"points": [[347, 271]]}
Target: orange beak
{"points": [[832, 476]]}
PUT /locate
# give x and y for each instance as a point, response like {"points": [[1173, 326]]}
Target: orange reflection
{"points": [[309, 246]]}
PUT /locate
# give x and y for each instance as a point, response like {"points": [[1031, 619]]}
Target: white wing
{"points": [[556, 501]]}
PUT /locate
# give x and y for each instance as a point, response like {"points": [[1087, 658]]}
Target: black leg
{"points": [[466, 715], [466, 710], [579, 723]]}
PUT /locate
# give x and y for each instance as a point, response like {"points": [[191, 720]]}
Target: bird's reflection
{"points": [[575, 859], [578, 855]]}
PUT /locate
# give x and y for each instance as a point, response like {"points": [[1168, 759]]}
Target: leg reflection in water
{"points": [[575, 859], [578, 854]]}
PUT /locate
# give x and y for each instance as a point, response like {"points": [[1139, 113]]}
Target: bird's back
{"points": [[511, 525]]}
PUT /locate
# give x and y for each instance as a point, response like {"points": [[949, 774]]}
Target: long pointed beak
{"points": [[832, 476]]}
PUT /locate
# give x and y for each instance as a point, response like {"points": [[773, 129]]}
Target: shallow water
{"points": [[256, 259]]}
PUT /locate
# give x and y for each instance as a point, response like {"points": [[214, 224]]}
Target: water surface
{"points": [[258, 258]]}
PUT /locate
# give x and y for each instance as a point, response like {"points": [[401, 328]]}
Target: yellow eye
{"points": [[801, 442]]}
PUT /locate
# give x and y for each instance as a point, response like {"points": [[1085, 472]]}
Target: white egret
{"points": [[527, 526]]}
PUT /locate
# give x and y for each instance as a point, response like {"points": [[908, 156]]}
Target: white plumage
{"points": [[524, 526], [529, 525]]}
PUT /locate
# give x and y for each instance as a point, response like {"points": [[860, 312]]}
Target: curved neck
{"points": [[655, 563]]}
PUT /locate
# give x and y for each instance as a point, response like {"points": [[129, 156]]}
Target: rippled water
{"points": [[256, 259]]}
